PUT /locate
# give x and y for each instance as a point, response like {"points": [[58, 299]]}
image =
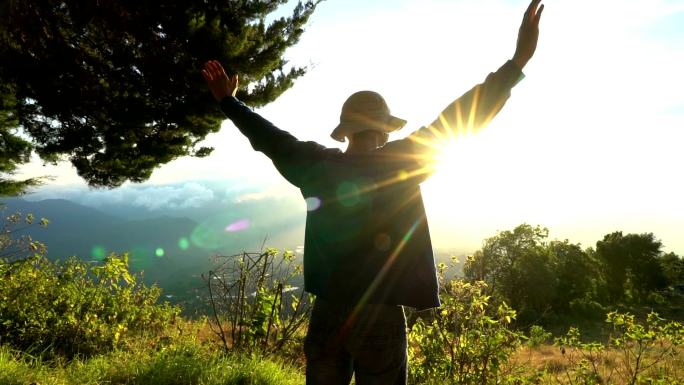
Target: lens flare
{"points": [[98, 252], [183, 243], [348, 194], [312, 203], [159, 252], [212, 233], [239, 225], [140, 258], [379, 277]]}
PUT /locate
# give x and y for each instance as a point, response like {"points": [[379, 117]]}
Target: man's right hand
{"points": [[218, 81]]}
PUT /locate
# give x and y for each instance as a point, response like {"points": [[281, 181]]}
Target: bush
{"points": [[639, 353], [538, 336], [466, 341], [254, 303], [587, 308], [75, 308], [13, 245], [656, 299]]}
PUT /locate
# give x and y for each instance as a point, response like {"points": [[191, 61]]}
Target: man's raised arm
{"points": [[263, 135], [289, 155], [474, 109]]}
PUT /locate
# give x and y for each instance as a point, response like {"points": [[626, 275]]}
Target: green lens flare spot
{"points": [[141, 258], [159, 252], [98, 252], [348, 194], [183, 243]]}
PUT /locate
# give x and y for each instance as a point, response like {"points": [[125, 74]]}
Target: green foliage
{"points": [[534, 276], [516, 264], [587, 308], [585, 358], [673, 268], [466, 341], [254, 304], [114, 86], [631, 265], [14, 149], [636, 341], [75, 308], [545, 281], [578, 275], [538, 336], [636, 353], [13, 245]]}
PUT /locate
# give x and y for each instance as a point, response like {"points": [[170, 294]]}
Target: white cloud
{"points": [[274, 191], [187, 195], [150, 197]]}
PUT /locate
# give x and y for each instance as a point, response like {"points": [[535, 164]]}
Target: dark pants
{"points": [[369, 343]]}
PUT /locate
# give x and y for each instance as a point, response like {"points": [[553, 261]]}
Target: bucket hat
{"points": [[365, 110]]}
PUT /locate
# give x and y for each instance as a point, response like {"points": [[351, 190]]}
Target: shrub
{"points": [[467, 340], [655, 298], [587, 308], [642, 353], [254, 303], [14, 245], [75, 308], [538, 336]]}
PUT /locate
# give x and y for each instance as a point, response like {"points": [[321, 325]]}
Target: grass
{"points": [[559, 367], [186, 361], [190, 362], [188, 354]]}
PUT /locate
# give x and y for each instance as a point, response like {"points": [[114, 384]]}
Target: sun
{"points": [[465, 178], [485, 182], [462, 160]]}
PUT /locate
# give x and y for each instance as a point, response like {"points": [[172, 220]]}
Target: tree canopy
{"points": [[538, 277], [114, 86], [632, 259], [518, 266]]}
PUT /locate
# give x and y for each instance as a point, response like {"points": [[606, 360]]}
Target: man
{"points": [[367, 249]]}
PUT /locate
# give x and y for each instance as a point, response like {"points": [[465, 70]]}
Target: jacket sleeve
{"points": [[469, 113], [290, 155]]}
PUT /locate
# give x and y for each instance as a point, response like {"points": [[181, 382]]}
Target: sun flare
{"points": [[463, 181], [462, 159]]}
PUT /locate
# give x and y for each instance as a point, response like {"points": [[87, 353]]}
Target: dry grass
{"points": [[544, 357], [560, 366]]}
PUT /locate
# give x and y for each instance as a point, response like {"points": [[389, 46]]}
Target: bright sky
{"points": [[589, 143]]}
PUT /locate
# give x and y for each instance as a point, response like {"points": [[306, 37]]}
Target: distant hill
{"points": [[161, 247], [68, 221], [172, 251], [78, 230], [63, 214]]}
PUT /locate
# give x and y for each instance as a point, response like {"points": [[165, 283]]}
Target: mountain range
{"points": [[171, 251]]}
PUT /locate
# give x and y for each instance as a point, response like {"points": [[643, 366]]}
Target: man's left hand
{"points": [[528, 34]]}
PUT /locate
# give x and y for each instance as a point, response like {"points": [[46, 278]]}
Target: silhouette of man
{"points": [[367, 249]]}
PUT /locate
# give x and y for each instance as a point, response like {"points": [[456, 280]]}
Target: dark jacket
{"points": [[367, 238]]}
